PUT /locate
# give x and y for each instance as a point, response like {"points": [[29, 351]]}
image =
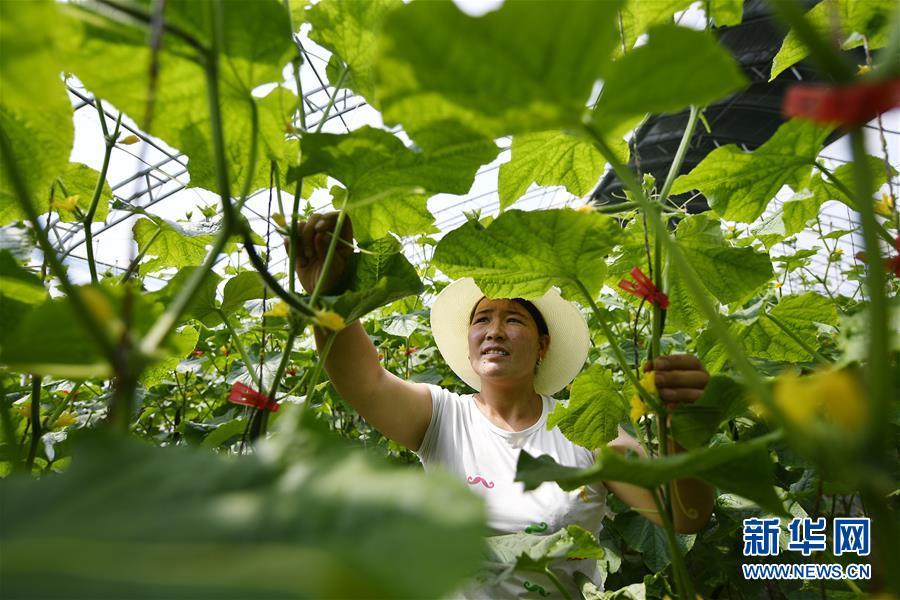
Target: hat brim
{"points": [[569, 336]]}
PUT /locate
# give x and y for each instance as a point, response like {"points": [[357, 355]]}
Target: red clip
{"points": [[645, 289], [891, 263], [844, 105], [246, 395]]}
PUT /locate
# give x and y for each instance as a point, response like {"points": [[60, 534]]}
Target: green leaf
{"points": [[375, 278], [523, 254], [35, 112], [869, 18], [387, 183], [854, 336], [183, 343], [765, 340], [531, 553], [743, 468], [731, 274], [50, 340], [525, 67], [739, 185], [20, 290], [80, 180], [677, 67], [549, 158], [638, 16], [650, 540], [224, 432], [202, 306], [184, 522], [350, 29], [172, 245], [594, 410], [726, 12], [722, 400], [244, 286], [257, 44]]}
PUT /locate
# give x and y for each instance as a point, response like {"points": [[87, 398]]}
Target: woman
{"points": [[515, 354]]}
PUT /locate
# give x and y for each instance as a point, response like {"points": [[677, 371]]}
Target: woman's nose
{"points": [[495, 330]]}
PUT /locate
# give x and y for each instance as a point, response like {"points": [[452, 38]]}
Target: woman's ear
{"points": [[543, 346]]}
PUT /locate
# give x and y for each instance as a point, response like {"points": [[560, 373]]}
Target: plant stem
{"points": [[682, 578], [617, 352], [879, 368], [686, 270], [556, 582], [23, 196], [35, 421], [329, 256], [110, 141], [282, 366], [809, 349], [241, 350]]}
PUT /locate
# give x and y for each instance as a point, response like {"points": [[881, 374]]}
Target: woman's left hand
{"points": [[680, 378]]}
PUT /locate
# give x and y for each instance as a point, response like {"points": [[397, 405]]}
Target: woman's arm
{"points": [[399, 409], [679, 378]]}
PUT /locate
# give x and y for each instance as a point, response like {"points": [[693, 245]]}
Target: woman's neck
{"points": [[510, 407]]}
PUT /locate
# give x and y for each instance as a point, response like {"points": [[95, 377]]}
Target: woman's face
{"points": [[503, 340]]}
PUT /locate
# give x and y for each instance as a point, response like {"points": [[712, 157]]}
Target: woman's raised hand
{"points": [[679, 378], [312, 238]]}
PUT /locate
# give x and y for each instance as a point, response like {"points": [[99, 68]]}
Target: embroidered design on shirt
{"points": [[536, 528], [477, 479], [533, 587]]}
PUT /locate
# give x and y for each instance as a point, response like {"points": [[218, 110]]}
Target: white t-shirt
{"points": [[462, 440]]}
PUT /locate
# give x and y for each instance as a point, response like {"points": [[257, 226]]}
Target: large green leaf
{"points": [[183, 522], [677, 67], [387, 183], [637, 16], [739, 185], [257, 44], [549, 158], [725, 12], [523, 254], [172, 245], [350, 29], [764, 339], [854, 19], [722, 400], [650, 540], [202, 306], [528, 66], [375, 278], [35, 112], [80, 180], [595, 408], [183, 342], [247, 285], [730, 273], [20, 291], [743, 468]]}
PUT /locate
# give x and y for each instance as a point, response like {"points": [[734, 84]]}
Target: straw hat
{"points": [[569, 337]]}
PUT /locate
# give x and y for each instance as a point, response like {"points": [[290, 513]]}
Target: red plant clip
{"points": [[845, 105], [644, 288], [246, 395]]}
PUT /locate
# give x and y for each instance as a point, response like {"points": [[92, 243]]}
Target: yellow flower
{"points": [[329, 320], [279, 220], [776, 284], [24, 409], [280, 309], [885, 207], [863, 69], [834, 395], [66, 419], [129, 140], [587, 208], [69, 203], [638, 407]]}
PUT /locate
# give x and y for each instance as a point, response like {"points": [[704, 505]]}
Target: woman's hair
{"points": [[528, 306]]}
